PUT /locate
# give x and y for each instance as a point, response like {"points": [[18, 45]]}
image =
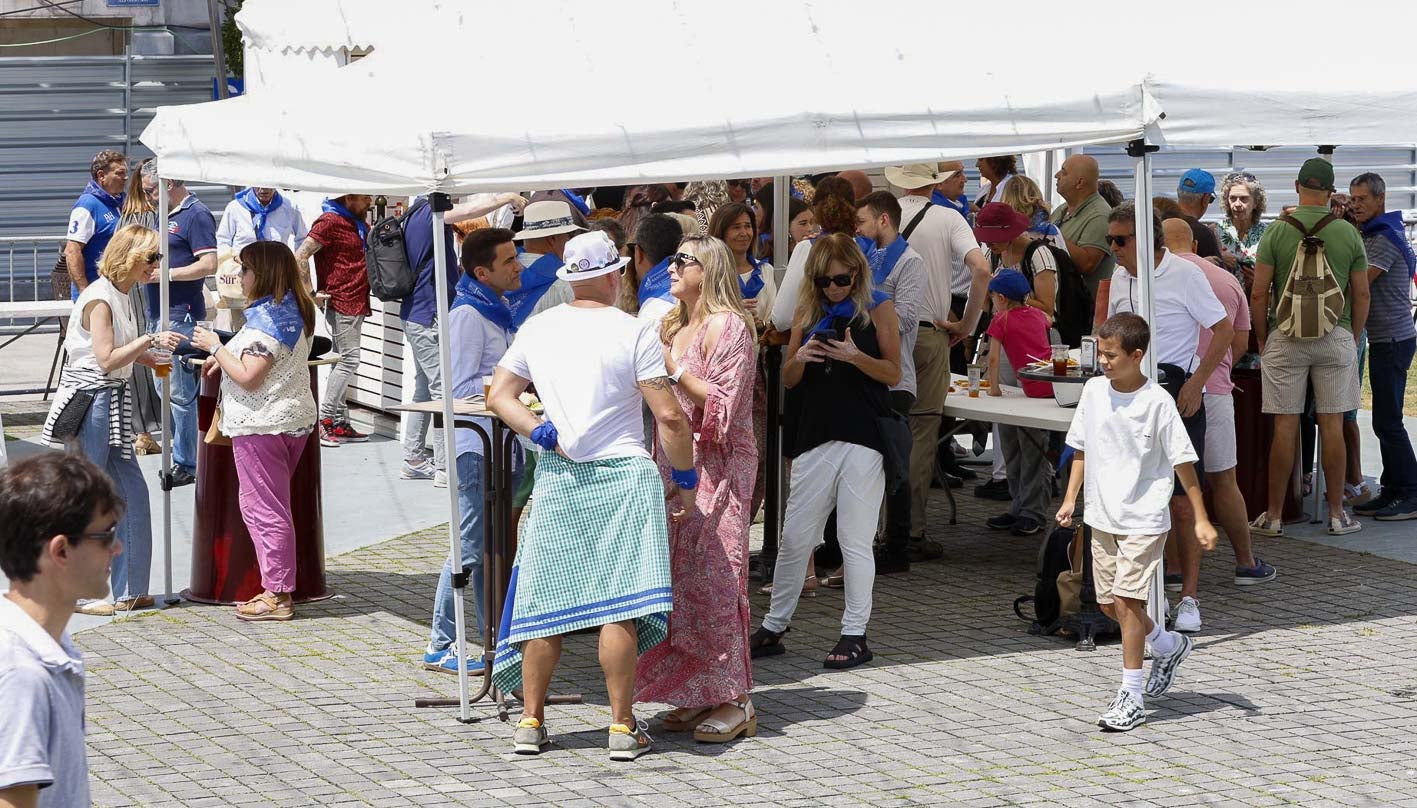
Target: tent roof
{"points": [[296, 25]]}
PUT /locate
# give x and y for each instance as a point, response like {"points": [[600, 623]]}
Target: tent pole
{"points": [[1140, 152], [164, 474], [772, 467], [441, 204]]}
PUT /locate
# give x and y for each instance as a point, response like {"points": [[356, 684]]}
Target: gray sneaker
{"points": [[627, 744], [1123, 714], [529, 737], [1163, 668]]}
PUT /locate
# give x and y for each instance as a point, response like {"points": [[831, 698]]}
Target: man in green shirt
{"points": [[1083, 221], [1288, 365]]}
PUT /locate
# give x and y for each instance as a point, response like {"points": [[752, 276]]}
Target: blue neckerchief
{"points": [[536, 279], [577, 200], [883, 261], [475, 293], [960, 205], [751, 287], [281, 320], [847, 309], [259, 212], [1040, 224], [331, 206], [1390, 225], [656, 283], [109, 200]]}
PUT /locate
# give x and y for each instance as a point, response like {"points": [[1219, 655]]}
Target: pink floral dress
{"points": [[705, 661]]}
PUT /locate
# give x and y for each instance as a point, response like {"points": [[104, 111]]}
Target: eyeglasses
{"points": [[682, 260], [839, 280], [154, 257], [1119, 240], [106, 537]]}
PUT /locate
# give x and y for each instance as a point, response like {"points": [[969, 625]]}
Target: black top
{"points": [[836, 401], [1207, 244]]}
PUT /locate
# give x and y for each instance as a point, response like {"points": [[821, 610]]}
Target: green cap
{"points": [[1316, 174]]}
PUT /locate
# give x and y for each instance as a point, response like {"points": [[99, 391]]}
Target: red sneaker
{"points": [[346, 433], [327, 432]]}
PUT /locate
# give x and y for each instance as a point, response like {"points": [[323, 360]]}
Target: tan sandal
{"points": [[145, 445], [683, 719], [713, 730], [265, 606]]}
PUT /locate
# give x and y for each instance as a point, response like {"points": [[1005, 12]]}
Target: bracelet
{"points": [[687, 479]]}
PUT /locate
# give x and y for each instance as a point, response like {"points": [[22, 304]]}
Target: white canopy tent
{"points": [[624, 92]]}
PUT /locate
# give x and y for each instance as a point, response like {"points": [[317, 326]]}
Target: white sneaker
{"points": [[1264, 526], [1188, 615], [440, 479], [1343, 524], [1123, 714]]}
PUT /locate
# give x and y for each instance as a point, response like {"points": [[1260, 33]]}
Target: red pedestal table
{"points": [[224, 569], [1254, 432]]}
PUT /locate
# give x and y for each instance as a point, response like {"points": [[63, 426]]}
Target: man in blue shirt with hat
{"points": [[1194, 194]]}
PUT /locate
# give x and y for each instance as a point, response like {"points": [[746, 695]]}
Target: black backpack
{"points": [[1072, 307], [1047, 605], [391, 275]]}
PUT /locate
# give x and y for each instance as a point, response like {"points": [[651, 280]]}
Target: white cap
{"points": [[590, 255]]}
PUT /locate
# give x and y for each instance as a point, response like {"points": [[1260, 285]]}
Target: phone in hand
{"points": [[829, 334]]}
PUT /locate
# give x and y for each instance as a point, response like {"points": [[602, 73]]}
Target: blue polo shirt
{"points": [[421, 306], [191, 233], [92, 223]]}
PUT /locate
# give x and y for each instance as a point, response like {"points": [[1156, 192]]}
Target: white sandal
{"points": [[712, 730]]}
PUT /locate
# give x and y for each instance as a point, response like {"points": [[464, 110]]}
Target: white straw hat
{"points": [[546, 218]]}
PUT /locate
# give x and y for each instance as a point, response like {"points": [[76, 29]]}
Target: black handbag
{"points": [[895, 455], [71, 418]]}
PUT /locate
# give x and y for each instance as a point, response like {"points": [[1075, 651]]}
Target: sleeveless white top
{"points": [[79, 341]]}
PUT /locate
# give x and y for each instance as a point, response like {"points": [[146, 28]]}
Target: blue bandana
{"points": [[1390, 225], [281, 320], [331, 206], [536, 279], [109, 200], [960, 205], [475, 293], [577, 200], [259, 212], [656, 283], [754, 285], [883, 261], [847, 309]]}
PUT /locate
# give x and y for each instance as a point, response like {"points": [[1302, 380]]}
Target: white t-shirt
{"points": [[1133, 443], [943, 239], [653, 311], [284, 224], [1184, 303], [786, 303], [587, 364]]}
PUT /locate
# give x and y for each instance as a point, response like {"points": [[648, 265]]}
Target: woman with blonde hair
{"points": [[842, 357], [92, 413], [1023, 195], [268, 411], [1243, 199], [710, 351]]}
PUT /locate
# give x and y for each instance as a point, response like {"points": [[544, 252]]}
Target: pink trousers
{"points": [[264, 466]]}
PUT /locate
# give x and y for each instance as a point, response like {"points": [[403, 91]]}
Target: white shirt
{"points": [[787, 293], [587, 364], [1184, 304], [1133, 443], [284, 224], [653, 311], [480, 343], [78, 340], [943, 239], [283, 404]]}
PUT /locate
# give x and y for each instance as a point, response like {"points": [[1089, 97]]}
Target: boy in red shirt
{"points": [[1021, 332]]}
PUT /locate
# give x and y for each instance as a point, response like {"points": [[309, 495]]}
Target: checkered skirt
{"points": [[595, 551]]}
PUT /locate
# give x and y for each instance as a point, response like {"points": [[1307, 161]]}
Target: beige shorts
{"points": [[1123, 566], [1220, 452], [1330, 362]]}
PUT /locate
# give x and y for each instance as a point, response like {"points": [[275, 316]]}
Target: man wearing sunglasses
{"points": [[58, 514]]}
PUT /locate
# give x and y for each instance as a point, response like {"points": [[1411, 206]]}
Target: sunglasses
{"points": [[105, 537], [839, 280], [153, 258], [1119, 240], [682, 260]]}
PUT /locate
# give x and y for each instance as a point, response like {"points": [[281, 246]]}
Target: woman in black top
{"points": [[842, 358]]}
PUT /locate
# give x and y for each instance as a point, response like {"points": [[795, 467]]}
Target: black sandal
{"points": [[851, 646], [766, 643]]}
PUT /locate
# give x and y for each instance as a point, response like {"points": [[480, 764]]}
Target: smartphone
{"points": [[830, 334]]}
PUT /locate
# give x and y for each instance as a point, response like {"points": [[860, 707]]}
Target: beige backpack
{"points": [[1311, 302]]}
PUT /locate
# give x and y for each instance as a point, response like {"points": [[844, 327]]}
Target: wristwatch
{"points": [[674, 377]]}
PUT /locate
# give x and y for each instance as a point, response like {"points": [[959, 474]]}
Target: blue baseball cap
{"points": [[1196, 181], [1011, 284]]}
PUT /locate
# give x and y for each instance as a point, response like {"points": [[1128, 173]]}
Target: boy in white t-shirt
{"points": [[1133, 432]]}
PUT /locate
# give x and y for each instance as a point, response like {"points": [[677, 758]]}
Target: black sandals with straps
{"points": [[851, 646], [765, 643]]}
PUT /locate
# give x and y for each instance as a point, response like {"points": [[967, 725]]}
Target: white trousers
{"points": [[849, 478]]}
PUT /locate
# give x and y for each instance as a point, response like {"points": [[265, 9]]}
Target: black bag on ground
{"points": [[391, 275], [1047, 603], [1072, 306]]}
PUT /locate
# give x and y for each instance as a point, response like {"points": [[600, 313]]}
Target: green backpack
{"points": [[1311, 302]]}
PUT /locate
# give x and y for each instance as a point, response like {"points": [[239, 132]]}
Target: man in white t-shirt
{"points": [[255, 214], [656, 241], [1184, 303], [941, 236], [595, 551]]}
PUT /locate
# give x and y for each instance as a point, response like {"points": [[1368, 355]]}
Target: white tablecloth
{"points": [[1013, 408]]}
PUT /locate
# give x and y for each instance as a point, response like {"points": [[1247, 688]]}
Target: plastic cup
{"points": [[486, 386], [1060, 360], [163, 359], [976, 372]]}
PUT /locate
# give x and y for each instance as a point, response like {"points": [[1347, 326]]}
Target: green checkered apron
{"points": [[595, 551]]}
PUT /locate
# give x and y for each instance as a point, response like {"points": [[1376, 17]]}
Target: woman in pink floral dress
{"points": [[710, 350]]}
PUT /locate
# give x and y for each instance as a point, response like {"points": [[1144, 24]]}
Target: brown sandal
{"points": [[265, 606]]}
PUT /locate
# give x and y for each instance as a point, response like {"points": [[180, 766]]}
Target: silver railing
{"points": [[26, 270]]}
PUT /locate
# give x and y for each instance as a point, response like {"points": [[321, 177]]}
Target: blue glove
{"points": [[545, 436]]}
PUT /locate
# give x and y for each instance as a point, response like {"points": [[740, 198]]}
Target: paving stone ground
{"points": [[1300, 692]]}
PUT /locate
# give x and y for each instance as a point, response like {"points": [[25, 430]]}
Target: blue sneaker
{"points": [[1258, 574], [446, 661]]}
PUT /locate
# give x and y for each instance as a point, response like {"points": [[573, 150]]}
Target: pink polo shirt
{"points": [[1237, 307]]}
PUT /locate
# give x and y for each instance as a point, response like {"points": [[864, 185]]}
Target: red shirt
{"points": [[339, 265], [1023, 332]]}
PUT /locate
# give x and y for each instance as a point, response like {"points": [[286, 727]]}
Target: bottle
{"points": [[380, 203]]}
